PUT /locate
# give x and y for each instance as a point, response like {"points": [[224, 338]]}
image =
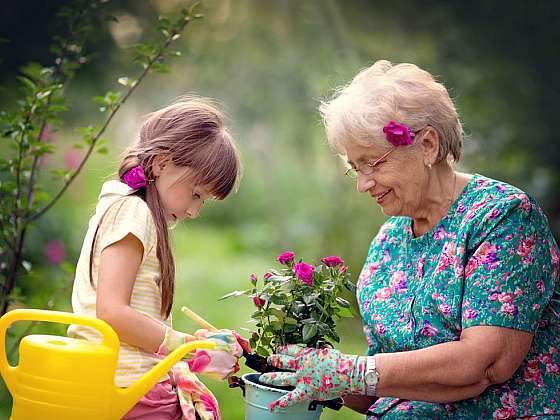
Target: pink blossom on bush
{"points": [[55, 252], [267, 275], [332, 261], [259, 303], [304, 272], [253, 278], [285, 257]]}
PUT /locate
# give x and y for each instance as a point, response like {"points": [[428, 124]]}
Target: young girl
{"points": [[126, 274]]}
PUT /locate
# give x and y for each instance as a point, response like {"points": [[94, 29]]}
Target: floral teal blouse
{"points": [[491, 260]]}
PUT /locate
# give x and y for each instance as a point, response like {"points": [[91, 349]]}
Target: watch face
{"points": [[371, 378]]}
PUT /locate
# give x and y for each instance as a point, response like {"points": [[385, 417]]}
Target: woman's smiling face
{"points": [[397, 179]]}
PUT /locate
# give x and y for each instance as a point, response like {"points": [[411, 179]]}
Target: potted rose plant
{"points": [[298, 303]]}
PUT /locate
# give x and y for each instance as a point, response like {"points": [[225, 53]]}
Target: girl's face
{"points": [[396, 183], [181, 198]]}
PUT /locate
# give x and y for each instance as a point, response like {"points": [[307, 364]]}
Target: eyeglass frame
{"points": [[353, 172]]}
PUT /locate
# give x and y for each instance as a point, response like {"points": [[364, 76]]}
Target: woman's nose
{"points": [[364, 183]]}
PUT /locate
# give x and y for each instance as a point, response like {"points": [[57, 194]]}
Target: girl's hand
{"points": [[319, 374]]}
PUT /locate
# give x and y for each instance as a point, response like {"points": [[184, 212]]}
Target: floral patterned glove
{"points": [[319, 374], [223, 360], [220, 362]]}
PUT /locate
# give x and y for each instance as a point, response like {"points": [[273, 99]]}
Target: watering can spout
{"points": [[128, 397]]}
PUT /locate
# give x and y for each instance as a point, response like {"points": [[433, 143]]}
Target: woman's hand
{"points": [[319, 374]]}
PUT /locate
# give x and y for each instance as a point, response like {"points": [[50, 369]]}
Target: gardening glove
{"points": [[319, 374], [172, 340], [223, 360], [196, 400]]}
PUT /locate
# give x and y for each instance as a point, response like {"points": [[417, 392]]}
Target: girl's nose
{"points": [[193, 212], [364, 183]]}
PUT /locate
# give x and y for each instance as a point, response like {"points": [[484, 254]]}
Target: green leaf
{"points": [[309, 331], [343, 302], [234, 294], [103, 150]]}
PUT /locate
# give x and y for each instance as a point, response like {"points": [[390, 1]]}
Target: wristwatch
{"points": [[371, 376]]}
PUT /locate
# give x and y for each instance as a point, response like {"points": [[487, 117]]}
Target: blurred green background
{"points": [[269, 63]]}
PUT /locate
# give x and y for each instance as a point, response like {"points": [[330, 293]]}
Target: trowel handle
{"points": [[110, 337]]}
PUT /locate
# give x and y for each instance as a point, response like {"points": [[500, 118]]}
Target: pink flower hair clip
{"points": [[398, 134], [135, 178]]}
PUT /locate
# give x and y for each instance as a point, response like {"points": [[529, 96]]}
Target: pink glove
{"points": [[223, 360]]}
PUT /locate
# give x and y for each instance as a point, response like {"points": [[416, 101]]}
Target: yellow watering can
{"points": [[68, 378]]}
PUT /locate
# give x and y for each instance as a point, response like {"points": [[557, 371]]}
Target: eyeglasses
{"points": [[367, 168]]}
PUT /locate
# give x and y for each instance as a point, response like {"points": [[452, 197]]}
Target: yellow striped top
{"points": [[123, 214]]}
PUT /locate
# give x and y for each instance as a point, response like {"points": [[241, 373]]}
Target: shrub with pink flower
{"points": [[299, 303]]}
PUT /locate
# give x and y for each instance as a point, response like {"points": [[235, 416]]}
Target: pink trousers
{"points": [[160, 403]]}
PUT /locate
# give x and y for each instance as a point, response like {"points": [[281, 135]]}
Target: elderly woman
{"points": [[459, 293]]}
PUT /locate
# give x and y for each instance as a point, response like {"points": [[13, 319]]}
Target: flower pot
{"points": [[258, 396]]}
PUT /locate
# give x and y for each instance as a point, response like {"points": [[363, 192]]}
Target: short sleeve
{"points": [[128, 215], [511, 275]]}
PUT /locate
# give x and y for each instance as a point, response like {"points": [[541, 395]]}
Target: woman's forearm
{"points": [[445, 372], [359, 403]]}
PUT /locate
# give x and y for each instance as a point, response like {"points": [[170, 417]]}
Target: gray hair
{"points": [[403, 93]]}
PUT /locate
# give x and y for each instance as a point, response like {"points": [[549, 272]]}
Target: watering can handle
{"points": [[110, 337]]}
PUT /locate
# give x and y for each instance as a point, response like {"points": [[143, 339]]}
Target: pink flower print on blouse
{"points": [[509, 308], [444, 308], [398, 281], [525, 248], [470, 313], [503, 413], [383, 294], [428, 330], [508, 399], [439, 234], [533, 373], [380, 329]]}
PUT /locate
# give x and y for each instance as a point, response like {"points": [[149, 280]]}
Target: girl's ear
{"points": [[159, 163], [430, 146]]}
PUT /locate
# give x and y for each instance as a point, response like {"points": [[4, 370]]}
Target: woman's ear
{"points": [[158, 164], [430, 146]]}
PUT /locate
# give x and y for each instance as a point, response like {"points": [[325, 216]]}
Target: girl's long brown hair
{"points": [[191, 134]]}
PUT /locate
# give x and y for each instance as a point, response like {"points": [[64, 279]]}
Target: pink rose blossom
{"points": [[285, 257], [259, 303], [267, 275], [304, 272], [135, 178], [332, 261], [253, 278], [398, 134]]}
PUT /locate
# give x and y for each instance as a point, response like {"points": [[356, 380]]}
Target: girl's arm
{"points": [[453, 371], [118, 267]]}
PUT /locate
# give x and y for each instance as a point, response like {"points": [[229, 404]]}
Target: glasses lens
{"points": [[351, 173]]}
